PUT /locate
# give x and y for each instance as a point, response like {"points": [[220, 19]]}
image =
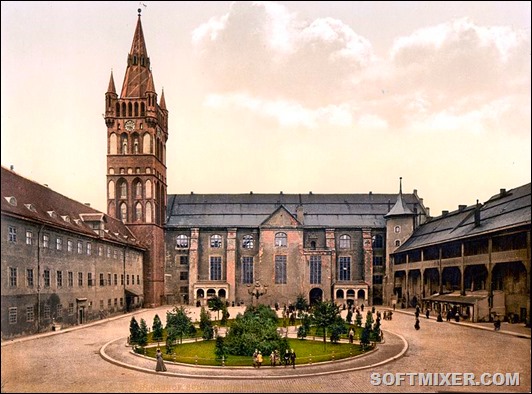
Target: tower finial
{"points": [[139, 11], [400, 185]]}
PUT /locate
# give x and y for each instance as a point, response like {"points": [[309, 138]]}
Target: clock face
{"points": [[130, 125]]}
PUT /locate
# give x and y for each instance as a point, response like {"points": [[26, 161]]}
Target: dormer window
{"points": [[52, 214], [11, 200], [31, 207], [66, 218]]}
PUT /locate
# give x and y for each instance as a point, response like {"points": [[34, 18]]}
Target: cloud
{"points": [[453, 76]]}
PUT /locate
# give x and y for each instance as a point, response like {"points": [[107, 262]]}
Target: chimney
{"points": [[444, 212], [88, 204], [461, 207], [477, 214], [310, 192], [251, 192], [300, 214], [12, 167], [503, 192]]}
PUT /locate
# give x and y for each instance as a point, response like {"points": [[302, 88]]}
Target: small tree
{"points": [[358, 319], [178, 324], [302, 332], [216, 304], [349, 316], [157, 329], [225, 316], [324, 315], [143, 333], [134, 330], [220, 350], [206, 324], [301, 305], [376, 332], [364, 338]]}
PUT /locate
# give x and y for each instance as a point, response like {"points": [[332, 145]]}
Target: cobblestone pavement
{"points": [[70, 361]]}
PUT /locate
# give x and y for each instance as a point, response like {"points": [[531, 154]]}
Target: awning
{"points": [[456, 299], [133, 292]]}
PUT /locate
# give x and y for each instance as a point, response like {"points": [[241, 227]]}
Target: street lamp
{"points": [[257, 290]]}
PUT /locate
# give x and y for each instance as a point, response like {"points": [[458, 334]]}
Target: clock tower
{"points": [[137, 131]]}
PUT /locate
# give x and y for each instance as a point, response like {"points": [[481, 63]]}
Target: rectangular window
{"points": [[12, 315], [116, 302], [280, 269], [30, 315], [115, 254], [59, 310], [109, 303], [216, 268], [344, 268], [127, 280], [80, 279], [377, 260], [59, 243], [59, 278], [13, 277], [121, 301], [109, 282], [70, 308], [70, 279], [12, 234], [29, 237], [100, 251], [102, 280], [108, 252], [45, 240], [121, 279], [115, 279], [89, 279], [80, 247], [46, 276], [29, 277], [138, 279], [183, 275], [247, 270], [101, 305], [377, 279], [70, 246], [315, 270], [183, 260], [89, 248], [46, 311]]}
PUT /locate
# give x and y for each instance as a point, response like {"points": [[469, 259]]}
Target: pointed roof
{"points": [[111, 88], [400, 208], [163, 101], [138, 73]]}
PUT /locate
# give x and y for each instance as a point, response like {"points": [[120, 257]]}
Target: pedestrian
{"points": [[449, 315], [457, 316], [273, 360], [259, 359], [440, 318], [497, 324], [427, 313], [351, 335], [255, 357], [416, 325], [362, 307], [286, 358], [293, 358], [160, 367]]}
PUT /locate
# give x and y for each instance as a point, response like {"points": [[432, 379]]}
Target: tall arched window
{"points": [[148, 189], [123, 189], [280, 239], [138, 211], [123, 144], [149, 213], [123, 212], [138, 189], [345, 241], [146, 143], [111, 189], [377, 242], [113, 150]]}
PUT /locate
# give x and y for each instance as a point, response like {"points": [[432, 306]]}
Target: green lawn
{"points": [[308, 351]]}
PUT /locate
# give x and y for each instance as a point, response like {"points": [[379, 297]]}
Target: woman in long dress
{"points": [[160, 362]]}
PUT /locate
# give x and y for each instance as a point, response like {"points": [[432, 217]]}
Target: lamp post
{"points": [[257, 290]]}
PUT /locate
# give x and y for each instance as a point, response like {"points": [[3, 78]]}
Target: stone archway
{"points": [[315, 295]]}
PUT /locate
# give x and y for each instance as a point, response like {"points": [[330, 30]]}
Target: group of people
{"points": [[289, 358]]}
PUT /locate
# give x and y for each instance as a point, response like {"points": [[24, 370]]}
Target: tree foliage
{"points": [[142, 339], [216, 304], [178, 325], [206, 325], [324, 315], [255, 329], [134, 330], [301, 305], [157, 329]]}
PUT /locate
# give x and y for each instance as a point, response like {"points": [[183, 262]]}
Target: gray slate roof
{"points": [[501, 211], [250, 210]]}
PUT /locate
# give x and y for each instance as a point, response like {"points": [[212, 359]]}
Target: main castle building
{"points": [[66, 263]]}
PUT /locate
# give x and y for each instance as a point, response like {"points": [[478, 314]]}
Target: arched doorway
{"points": [[315, 295]]}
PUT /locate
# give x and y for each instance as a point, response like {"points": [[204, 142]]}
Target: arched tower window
{"points": [[123, 189], [111, 189], [149, 215], [123, 109], [142, 109], [138, 189], [123, 212], [123, 144], [138, 211], [113, 150], [117, 109], [146, 143], [148, 189], [129, 109], [280, 239], [136, 109]]}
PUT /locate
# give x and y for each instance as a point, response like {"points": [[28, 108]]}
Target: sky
{"points": [[328, 97]]}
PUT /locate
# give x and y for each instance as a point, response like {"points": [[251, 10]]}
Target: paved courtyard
{"points": [[71, 361]]}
